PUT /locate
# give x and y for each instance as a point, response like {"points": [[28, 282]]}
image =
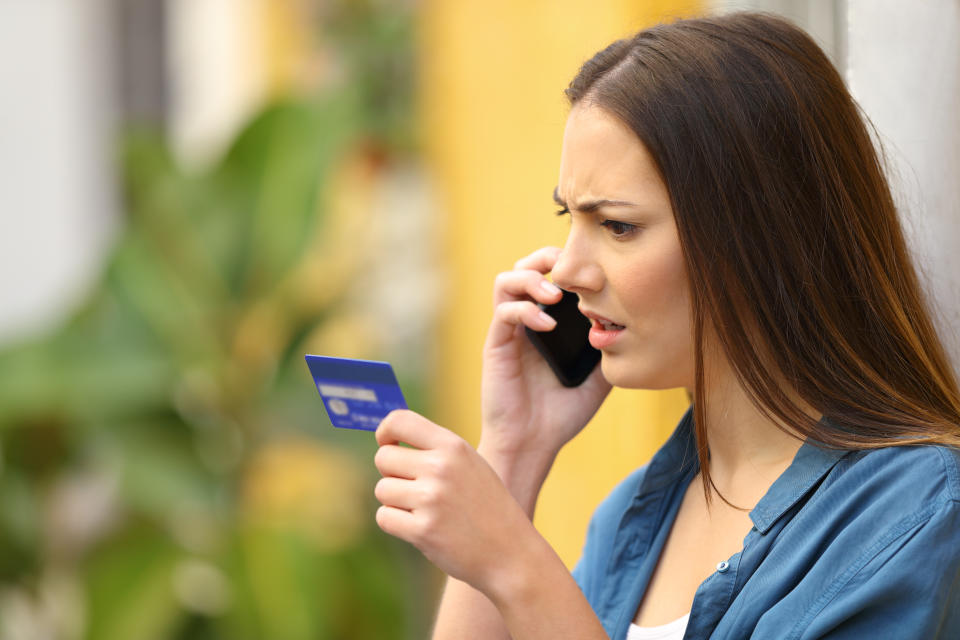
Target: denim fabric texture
{"points": [[845, 544]]}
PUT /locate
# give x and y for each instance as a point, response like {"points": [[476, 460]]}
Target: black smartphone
{"points": [[566, 348]]}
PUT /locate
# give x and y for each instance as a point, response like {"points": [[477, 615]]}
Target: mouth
{"points": [[600, 322], [606, 325], [603, 331]]}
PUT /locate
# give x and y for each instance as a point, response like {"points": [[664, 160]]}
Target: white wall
{"points": [[822, 19], [901, 61], [903, 67], [217, 74], [57, 189], [59, 111]]}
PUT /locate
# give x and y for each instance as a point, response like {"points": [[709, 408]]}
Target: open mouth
{"points": [[610, 326]]}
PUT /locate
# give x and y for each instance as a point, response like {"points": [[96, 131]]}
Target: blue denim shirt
{"points": [[845, 544]]}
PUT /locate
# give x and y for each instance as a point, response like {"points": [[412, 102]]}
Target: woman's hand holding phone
{"points": [[528, 415]]}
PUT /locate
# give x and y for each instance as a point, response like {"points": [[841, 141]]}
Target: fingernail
{"points": [[547, 319], [549, 287]]}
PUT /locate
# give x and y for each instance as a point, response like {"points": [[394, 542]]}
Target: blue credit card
{"points": [[357, 394]]}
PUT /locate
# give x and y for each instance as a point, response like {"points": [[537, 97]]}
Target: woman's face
{"points": [[623, 255]]}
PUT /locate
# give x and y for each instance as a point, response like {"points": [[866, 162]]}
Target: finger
{"points": [[509, 315], [396, 492], [541, 260], [402, 425], [396, 522], [522, 285], [394, 460]]}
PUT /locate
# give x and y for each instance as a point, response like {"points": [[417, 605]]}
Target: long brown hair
{"points": [[792, 244]]}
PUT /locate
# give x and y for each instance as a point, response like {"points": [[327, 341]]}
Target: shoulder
{"points": [[872, 498], [602, 532], [921, 476], [885, 511], [632, 505], [610, 510], [879, 543]]}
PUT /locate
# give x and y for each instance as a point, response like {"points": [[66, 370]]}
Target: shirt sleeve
{"points": [[601, 532], [908, 588], [583, 572]]}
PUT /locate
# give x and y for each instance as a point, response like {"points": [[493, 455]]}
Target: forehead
{"points": [[603, 158]]}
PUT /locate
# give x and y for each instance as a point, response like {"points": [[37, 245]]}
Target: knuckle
{"points": [[437, 464], [379, 489], [396, 415], [381, 517], [383, 428], [426, 526], [524, 263], [512, 311], [449, 457], [380, 457], [458, 447], [431, 493], [530, 279], [502, 312]]}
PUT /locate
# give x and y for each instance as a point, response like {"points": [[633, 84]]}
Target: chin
{"points": [[620, 372]]}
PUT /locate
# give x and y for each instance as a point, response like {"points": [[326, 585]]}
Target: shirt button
{"points": [[723, 566]]}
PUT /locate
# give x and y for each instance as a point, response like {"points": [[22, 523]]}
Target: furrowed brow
{"points": [[591, 206]]}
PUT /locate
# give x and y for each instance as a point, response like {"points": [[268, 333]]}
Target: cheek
{"points": [[657, 295], [656, 291]]}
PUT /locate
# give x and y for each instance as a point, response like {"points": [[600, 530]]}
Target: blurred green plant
{"points": [[165, 463]]}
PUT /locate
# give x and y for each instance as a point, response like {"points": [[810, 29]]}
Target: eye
{"points": [[563, 211], [620, 230]]}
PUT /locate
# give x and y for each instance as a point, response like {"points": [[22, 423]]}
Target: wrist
{"points": [[522, 472], [532, 579]]}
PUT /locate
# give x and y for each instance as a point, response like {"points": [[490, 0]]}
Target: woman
{"points": [[732, 233]]}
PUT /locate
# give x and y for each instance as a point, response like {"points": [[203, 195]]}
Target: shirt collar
{"points": [[678, 457], [675, 458], [810, 464]]}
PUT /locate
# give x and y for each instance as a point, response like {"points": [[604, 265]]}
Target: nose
{"points": [[576, 269]]}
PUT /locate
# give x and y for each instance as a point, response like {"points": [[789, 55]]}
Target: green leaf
{"points": [[281, 592], [275, 175], [130, 587]]}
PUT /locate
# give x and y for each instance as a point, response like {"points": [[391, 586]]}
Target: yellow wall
{"points": [[285, 38], [493, 110]]}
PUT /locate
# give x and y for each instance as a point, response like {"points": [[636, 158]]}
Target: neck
{"points": [[748, 451]]}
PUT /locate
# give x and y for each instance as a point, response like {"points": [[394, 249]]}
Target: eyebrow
{"points": [[591, 206]]}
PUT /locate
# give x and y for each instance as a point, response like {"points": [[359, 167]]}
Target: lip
{"points": [[597, 316], [599, 337]]}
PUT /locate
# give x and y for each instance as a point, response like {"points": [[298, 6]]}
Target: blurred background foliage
{"points": [[167, 468]]}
